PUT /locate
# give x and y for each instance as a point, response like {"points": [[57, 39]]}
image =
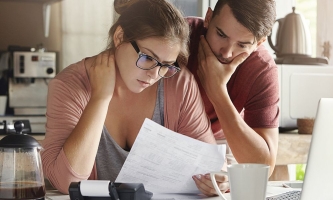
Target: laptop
{"points": [[318, 178]]}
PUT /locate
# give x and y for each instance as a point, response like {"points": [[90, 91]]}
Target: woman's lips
{"points": [[144, 83]]}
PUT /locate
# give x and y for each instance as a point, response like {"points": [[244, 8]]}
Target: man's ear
{"points": [[262, 40], [208, 17], [118, 36]]}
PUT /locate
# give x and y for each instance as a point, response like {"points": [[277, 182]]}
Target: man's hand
{"points": [[205, 184], [212, 73]]}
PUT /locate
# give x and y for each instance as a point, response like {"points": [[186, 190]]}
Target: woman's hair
{"points": [[258, 16], [141, 19]]}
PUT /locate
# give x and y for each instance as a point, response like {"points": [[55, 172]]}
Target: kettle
{"points": [[21, 172], [293, 36]]}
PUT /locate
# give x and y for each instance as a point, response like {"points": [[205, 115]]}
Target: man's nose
{"points": [[226, 51]]}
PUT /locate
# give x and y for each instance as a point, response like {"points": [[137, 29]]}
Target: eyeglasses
{"points": [[146, 62]]}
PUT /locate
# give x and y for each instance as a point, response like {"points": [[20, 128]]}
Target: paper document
{"points": [[165, 161]]}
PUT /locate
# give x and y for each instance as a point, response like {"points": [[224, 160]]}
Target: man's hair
{"points": [[258, 16]]}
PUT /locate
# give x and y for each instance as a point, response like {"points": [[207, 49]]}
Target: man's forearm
{"points": [[247, 145]]}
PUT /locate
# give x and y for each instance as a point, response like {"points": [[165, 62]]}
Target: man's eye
{"points": [[221, 35], [242, 46]]}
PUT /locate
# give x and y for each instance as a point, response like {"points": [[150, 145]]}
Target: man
{"points": [[238, 80]]}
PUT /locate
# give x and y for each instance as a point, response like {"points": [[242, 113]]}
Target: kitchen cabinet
{"points": [[46, 11]]}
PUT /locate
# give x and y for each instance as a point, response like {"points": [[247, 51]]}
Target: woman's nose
{"points": [[153, 73]]}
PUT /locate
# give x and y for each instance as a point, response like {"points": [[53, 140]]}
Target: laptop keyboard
{"points": [[291, 195]]}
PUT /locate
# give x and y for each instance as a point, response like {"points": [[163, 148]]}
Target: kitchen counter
{"points": [[37, 122], [39, 138], [293, 149]]}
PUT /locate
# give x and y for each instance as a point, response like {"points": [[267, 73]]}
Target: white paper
{"points": [[165, 161]]}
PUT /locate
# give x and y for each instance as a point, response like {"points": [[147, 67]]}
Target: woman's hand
{"points": [[205, 184], [102, 75]]}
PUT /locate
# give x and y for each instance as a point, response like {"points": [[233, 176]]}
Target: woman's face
{"points": [[137, 79]]}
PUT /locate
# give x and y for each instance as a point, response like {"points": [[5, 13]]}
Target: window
{"points": [[325, 29], [194, 7], [308, 8]]}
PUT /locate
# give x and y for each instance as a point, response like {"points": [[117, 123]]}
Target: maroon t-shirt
{"points": [[253, 88]]}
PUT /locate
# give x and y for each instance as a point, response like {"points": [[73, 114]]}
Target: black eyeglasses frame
{"points": [[140, 54]]}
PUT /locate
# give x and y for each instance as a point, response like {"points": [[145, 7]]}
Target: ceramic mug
{"points": [[247, 181]]}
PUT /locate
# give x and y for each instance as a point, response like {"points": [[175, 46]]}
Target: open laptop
{"points": [[318, 179]]}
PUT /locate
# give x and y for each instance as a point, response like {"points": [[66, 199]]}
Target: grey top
{"points": [[110, 156]]}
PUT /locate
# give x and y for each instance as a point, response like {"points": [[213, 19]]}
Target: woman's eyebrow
{"points": [[158, 58]]}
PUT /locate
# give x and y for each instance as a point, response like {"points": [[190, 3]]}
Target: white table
{"points": [[273, 188]]}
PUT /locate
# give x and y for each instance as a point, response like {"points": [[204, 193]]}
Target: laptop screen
{"points": [[318, 180]]}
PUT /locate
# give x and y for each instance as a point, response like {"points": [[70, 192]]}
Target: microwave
{"points": [[301, 87], [34, 64]]}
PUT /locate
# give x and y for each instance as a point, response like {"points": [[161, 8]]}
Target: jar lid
{"points": [[18, 139]]}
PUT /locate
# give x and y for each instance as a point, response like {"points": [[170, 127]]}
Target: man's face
{"points": [[227, 37]]}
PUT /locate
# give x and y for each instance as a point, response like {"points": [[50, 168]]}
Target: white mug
{"points": [[247, 181]]}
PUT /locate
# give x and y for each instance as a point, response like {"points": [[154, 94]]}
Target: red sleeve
{"points": [[254, 89], [261, 109]]}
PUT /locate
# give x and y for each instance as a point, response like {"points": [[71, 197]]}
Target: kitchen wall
{"points": [[78, 28], [283, 7], [85, 27], [21, 23], [325, 29]]}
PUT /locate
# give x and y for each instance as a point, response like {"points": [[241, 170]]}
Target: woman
{"points": [[96, 107]]}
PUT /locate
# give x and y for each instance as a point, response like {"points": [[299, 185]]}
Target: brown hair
{"points": [[258, 16], [141, 19]]}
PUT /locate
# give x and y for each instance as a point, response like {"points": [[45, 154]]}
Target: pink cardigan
{"points": [[68, 95]]}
